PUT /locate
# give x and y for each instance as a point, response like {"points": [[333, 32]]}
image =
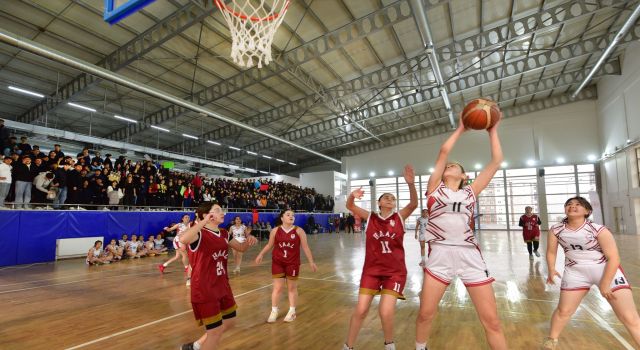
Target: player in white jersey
{"points": [[96, 256], [452, 246], [181, 250], [421, 233], [591, 258], [240, 233], [131, 247]]}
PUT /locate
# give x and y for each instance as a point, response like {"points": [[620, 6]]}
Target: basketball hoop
{"points": [[252, 25]]}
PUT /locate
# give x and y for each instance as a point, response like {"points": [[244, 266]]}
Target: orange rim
{"points": [[221, 5]]}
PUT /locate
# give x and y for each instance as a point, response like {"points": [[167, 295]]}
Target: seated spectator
{"points": [[114, 250], [96, 255], [158, 244], [131, 247]]}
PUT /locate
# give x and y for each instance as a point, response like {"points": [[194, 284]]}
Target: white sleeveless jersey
{"points": [[422, 225], [122, 243], [97, 252], [133, 246], [581, 246], [239, 233], [158, 243], [450, 215], [181, 228]]}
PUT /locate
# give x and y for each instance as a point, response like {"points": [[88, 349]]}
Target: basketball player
{"points": [[421, 229], [113, 249], [131, 247], [286, 240], [530, 224], [591, 258], [384, 271], [239, 232], [211, 297], [452, 246], [181, 251], [96, 256]]}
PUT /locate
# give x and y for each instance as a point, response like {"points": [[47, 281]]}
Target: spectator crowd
{"points": [[31, 178]]}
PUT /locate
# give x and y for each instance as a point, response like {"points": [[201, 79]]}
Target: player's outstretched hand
{"points": [[258, 259], [357, 193], [252, 240], [552, 274], [409, 174]]}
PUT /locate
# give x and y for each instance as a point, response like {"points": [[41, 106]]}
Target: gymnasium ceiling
{"points": [[349, 76]]}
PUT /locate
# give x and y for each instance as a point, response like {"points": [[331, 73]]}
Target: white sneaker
{"points": [[236, 270], [537, 254], [391, 346], [188, 282], [273, 316], [291, 316]]}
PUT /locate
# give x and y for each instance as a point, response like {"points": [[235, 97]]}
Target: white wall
{"points": [[322, 181], [568, 131], [277, 178], [618, 111]]}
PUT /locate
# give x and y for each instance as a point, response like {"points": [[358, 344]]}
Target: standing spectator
{"points": [[188, 197], [197, 184], [4, 134], [97, 158], [23, 175], [10, 146], [142, 192], [351, 221], [85, 156], [24, 146], [114, 193], [40, 189], [152, 199], [162, 193], [59, 153], [5, 176], [62, 174], [35, 152], [99, 192], [107, 161], [39, 166], [130, 193], [74, 183]]}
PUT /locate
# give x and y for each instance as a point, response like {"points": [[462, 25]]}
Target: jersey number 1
{"points": [[385, 247], [285, 253], [458, 205]]}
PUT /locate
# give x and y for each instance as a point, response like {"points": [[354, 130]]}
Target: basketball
{"points": [[481, 114]]}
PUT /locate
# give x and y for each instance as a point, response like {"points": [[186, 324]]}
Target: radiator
{"points": [[75, 247]]}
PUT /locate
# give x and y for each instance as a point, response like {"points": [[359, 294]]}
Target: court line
{"points": [[78, 281], [606, 326], [71, 276], [153, 322]]}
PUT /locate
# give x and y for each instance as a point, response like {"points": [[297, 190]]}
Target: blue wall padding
{"points": [[9, 226], [30, 236]]}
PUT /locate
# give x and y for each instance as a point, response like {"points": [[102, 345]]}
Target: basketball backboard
{"points": [[115, 10]]}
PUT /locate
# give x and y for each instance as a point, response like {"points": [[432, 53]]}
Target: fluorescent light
{"points": [[390, 172], [125, 119], [252, 153], [280, 160], [628, 141], [294, 164], [81, 107], [235, 148], [591, 157], [478, 166], [159, 128], [190, 136], [372, 174], [504, 164], [354, 175], [560, 160], [531, 162], [234, 166], [431, 170], [26, 92], [266, 156], [274, 174], [213, 142]]}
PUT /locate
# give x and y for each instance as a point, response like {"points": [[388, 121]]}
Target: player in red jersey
{"points": [[591, 258], [211, 297], [286, 241], [384, 271], [530, 224], [452, 246]]}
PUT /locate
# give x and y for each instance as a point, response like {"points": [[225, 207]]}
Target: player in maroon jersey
{"points": [[384, 271], [530, 224], [286, 240], [453, 250], [211, 296]]}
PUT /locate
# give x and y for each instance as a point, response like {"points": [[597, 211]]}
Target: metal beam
{"points": [[46, 52], [496, 73], [153, 37], [589, 93], [290, 61], [545, 19]]}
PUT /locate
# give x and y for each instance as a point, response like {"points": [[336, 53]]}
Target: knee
{"points": [[630, 319], [360, 313], [386, 314], [492, 324], [564, 312], [426, 315]]}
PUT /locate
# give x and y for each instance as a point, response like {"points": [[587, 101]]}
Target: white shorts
{"points": [[421, 237], [448, 261], [240, 239], [582, 277], [176, 242]]}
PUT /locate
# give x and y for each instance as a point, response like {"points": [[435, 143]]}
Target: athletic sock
{"points": [[421, 346], [196, 345], [274, 309], [292, 309]]}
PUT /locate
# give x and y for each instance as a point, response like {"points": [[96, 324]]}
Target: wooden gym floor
{"points": [[130, 305]]}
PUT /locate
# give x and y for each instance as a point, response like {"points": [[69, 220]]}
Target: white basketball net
{"points": [[252, 23]]}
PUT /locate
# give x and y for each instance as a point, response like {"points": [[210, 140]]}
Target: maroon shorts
{"points": [[392, 285], [279, 270], [211, 314]]}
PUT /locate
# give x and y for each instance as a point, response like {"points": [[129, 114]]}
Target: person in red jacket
{"points": [[530, 224]]}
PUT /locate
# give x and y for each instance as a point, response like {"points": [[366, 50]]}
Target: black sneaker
{"points": [[188, 346]]}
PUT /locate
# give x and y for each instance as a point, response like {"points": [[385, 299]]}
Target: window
{"points": [[522, 191], [560, 185]]}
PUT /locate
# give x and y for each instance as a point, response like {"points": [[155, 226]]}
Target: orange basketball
{"points": [[481, 114]]}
